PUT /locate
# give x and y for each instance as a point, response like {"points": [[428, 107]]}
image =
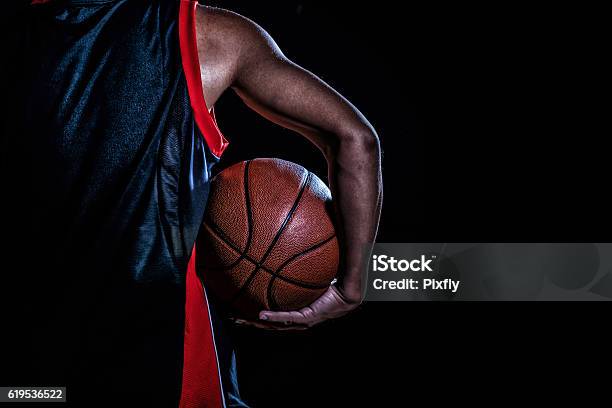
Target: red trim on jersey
{"points": [[201, 381], [191, 65]]}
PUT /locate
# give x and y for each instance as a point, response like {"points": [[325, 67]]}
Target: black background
{"points": [[488, 122], [493, 125]]}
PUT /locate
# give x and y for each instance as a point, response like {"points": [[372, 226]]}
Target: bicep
{"points": [[291, 96]]}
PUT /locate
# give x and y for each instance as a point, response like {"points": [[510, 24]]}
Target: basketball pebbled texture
{"points": [[267, 241]]}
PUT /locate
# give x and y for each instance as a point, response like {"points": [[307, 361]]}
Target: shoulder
{"points": [[232, 34], [224, 21]]}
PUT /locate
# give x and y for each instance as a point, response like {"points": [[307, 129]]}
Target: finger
{"points": [[300, 317], [267, 325], [277, 327], [253, 323]]}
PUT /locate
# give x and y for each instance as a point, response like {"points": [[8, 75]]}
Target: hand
{"points": [[332, 304]]}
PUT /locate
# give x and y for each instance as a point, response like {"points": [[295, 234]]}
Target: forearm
{"points": [[356, 184]]}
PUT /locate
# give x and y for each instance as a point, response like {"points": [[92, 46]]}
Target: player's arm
{"points": [[290, 96]]}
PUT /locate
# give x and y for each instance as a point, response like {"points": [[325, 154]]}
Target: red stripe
{"points": [[191, 65], [201, 382]]}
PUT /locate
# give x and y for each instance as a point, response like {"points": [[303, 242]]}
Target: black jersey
{"points": [[114, 168]]}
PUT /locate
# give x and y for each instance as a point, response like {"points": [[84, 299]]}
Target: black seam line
{"points": [[271, 301], [276, 237], [247, 202], [221, 235]]}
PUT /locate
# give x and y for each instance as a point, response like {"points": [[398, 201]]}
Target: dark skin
{"points": [[236, 53]]}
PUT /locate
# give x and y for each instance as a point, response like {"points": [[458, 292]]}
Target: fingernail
{"points": [[264, 317]]}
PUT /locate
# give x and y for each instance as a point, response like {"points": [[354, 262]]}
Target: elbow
{"points": [[361, 141], [370, 142], [357, 142]]}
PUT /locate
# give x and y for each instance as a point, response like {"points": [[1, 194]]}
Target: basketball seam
{"points": [[276, 237], [247, 203], [271, 301], [305, 285], [221, 234]]}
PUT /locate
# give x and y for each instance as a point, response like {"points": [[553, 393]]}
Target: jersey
{"points": [[116, 150]]}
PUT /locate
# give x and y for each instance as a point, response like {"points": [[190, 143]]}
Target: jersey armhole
{"points": [[204, 119]]}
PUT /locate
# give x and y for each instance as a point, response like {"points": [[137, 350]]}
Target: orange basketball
{"points": [[268, 241]]}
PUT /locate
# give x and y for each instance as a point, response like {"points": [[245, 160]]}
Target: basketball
{"points": [[268, 241]]}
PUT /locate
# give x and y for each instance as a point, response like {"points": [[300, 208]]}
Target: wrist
{"points": [[349, 293]]}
